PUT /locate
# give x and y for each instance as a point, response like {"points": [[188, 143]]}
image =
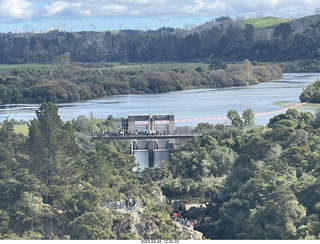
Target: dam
{"points": [[150, 153], [153, 138]]}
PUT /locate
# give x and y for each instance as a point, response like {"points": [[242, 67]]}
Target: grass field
{"points": [[131, 66], [307, 106], [264, 22], [7, 67], [23, 129], [158, 66]]}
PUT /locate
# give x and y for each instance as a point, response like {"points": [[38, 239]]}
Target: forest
{"points": [[255, 182], [223, 39], [64, 81]]}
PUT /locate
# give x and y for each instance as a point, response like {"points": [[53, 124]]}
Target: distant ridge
{"points": [[260, 23], [305, 22]]}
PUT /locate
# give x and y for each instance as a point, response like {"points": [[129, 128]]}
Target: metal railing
{"points": [[183, 222], [117, 206], [141, 134]]}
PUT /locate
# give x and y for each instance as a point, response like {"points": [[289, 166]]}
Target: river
{"points": [[187, 104]]}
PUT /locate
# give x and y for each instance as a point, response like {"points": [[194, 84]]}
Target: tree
{"points": [[92, 226], [53, 152], [222, 160], [87, 199], [60, 65], [4, 222], [235, 118], [317, 119], [99, 168], [216, 64], [85, 124], [248, 32], [28, 210], [311, 93], [283, 31], [277, 218], [248, 117], [9, 141]]}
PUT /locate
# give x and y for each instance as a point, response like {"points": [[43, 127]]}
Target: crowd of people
{"points": [[183, 221], [128, 204], [116, 133]]}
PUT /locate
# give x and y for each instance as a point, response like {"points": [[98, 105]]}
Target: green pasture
{"points": [[130, 66], [307, 106], [264, 22], [158, 66], [8, 67], [23, 129]]}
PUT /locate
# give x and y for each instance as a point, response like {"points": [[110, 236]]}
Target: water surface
{"points": [[187, 104]]}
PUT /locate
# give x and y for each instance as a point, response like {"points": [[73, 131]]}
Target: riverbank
{"points": [[306, 106], [73, 83], [185, 105]]}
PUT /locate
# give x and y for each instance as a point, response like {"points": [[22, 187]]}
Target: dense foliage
{"points": [[257, 182], [311, 93], [53, 180], [62, 81], [261, 183], [225, 40]]}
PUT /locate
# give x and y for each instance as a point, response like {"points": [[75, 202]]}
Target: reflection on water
{"points": [[196, 103]]}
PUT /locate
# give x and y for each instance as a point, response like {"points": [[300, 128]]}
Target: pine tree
{"points": [[53, 152]]}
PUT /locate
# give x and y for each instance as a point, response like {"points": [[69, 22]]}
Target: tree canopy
{"points": [[254, 182], [311, 93]]}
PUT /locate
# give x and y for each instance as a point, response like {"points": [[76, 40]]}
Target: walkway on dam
{"points": [[145, 136]]}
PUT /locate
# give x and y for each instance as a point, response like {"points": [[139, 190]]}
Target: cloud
{"points": [[126, 12], [203, 7], [16, 9], [112, 9], [280, 7], [67, 9], [23, 9]]}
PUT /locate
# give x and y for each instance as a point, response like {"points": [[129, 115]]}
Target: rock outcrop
{"points": [[144, 226]]}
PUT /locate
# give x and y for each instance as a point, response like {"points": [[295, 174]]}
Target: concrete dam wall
{"points": [[150, 153]]}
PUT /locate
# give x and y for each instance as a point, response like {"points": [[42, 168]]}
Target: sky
{"points": [[102, 15]]}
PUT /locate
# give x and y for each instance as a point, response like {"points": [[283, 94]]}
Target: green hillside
{"points": [[264, 22]]}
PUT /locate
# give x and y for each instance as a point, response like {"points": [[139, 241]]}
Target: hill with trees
{"points": [[223, 38]]}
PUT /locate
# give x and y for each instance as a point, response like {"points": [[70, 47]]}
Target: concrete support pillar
{"points": [[131, 147], [151, 123], [130, 123], [151, 152], [170, 145], [171, 124]]}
